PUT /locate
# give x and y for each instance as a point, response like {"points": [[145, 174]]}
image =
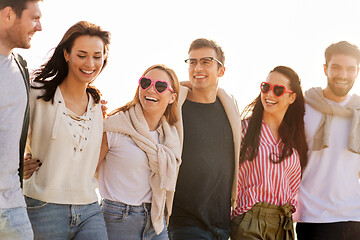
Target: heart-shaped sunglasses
{"points": [[159, 85], [278, 90]]}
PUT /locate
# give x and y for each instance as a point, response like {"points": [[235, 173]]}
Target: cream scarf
{"points": [[315, 98], [164, 158]]}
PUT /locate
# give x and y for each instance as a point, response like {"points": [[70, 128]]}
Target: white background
{"points": [[255, 35]]}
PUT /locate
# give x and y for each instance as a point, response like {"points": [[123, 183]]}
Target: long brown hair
{"points": [[53, 73], [291, 130], [170, 112]]}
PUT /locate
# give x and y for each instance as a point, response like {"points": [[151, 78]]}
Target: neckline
{"points": [[272, 138]]}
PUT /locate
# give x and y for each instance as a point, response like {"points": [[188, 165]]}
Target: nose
{"points": [[342, 73], [271, 93], [198, 66], [38, 26], [151, 88], [90, 62]]}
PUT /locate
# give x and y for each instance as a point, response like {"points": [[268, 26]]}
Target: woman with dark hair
{"points": [[273, 152], [140, 158], [65, 135]]}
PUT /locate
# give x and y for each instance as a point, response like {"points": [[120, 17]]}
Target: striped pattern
{"points": [[263, 181]]}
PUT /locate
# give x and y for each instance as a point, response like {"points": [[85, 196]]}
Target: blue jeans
{"points": [[15, 224], [65, 221], [197, 233], [130, 222]]}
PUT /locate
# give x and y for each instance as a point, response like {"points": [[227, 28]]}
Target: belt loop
{"points": [[127, 208]]}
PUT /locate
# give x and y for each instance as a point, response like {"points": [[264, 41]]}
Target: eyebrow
{"points": [[82, 51]]}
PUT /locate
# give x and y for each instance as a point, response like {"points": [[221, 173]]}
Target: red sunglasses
{"points": [[159, 85], [278, 90]]}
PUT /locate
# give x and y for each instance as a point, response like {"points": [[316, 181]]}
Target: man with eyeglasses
{"points": [[329, 194], [210, 132], [19, 20]]}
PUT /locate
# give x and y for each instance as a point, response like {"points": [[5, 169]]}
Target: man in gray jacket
{"points": [[19, 20]]}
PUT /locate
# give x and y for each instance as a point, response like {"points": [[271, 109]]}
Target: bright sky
{"points": [[255, 35]]}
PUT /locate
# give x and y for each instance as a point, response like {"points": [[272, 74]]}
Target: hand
{"points": [[103, 108], [186, 84], [31, 165]]}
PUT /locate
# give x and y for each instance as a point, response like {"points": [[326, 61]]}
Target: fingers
{"points": [[30, 165], [103, 108]]}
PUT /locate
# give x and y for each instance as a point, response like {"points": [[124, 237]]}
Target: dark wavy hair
{"points": [[291, 130], [53, 73]]}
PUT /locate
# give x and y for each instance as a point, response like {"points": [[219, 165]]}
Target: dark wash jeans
{"points": [[197, 233], [328, 231]]}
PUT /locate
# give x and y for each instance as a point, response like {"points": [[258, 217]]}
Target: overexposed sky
{"points": [[255, 35]]}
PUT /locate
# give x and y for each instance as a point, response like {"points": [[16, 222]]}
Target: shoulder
{"points": [[183, 92], [112, 121], [20, 59], [226, 98], [355, 99]]}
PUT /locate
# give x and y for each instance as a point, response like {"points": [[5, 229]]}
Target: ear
{"points": [[221, 71], [66, 56], [172, 98], [8, 15], [325, 69], [292, 98]]}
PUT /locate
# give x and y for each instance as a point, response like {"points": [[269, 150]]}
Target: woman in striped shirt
{"points": [[273, 152]]}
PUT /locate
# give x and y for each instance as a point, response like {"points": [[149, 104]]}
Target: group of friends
{"points": [[178, 161]]}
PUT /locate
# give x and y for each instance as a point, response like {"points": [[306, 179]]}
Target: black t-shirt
{"points": [[203, 190]]}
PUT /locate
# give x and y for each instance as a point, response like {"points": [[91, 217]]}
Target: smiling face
{"points": [[204, 78], [341, 73], [152, 102], [86, 59], [20, 33], [273, 105]]}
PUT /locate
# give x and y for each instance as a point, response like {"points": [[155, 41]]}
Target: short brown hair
{"points": [[344, 48], [17, 5], [207, 43]]}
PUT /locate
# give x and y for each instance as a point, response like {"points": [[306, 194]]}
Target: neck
{"points": [[4, 48], [331, 96], [202, 96], [152, 120], [73, 91], [273, 121]]}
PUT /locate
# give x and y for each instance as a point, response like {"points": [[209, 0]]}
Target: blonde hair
{"points": [[170, 112]]}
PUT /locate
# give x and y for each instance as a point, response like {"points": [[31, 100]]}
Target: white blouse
{"points": [[68, 147]]}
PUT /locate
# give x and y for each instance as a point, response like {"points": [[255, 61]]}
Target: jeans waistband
{"points": [[143, 206]]}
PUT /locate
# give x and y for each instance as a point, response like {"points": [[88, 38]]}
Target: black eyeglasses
{"points": [[205, 61]]}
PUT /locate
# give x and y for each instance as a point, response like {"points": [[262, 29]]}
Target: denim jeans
{"points": [[197, 233], [15, 224], [65, 221], [130, 222]]}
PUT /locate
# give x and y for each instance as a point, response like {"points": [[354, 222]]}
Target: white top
{"points": [[124, 173], [13, 100], [68, 147], [330, 188]]}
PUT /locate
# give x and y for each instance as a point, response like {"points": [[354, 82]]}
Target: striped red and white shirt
{"points": [[261, 180]]}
